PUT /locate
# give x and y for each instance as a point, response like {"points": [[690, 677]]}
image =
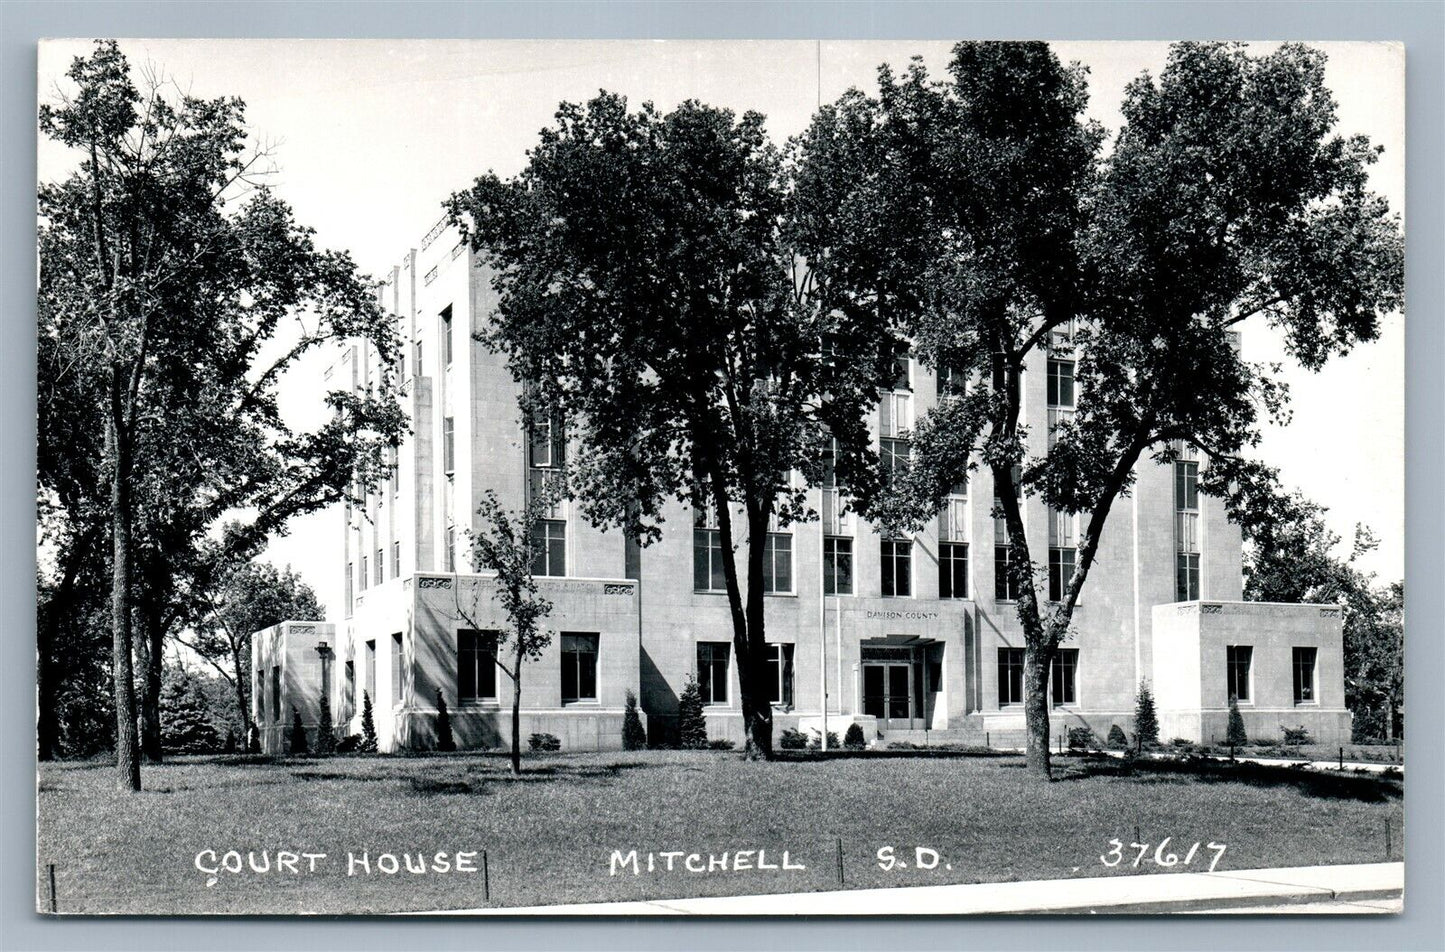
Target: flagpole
{"points": [[822, 528]]}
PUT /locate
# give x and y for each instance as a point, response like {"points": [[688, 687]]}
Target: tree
{"points": [[368, 725], [691, 724], [296, 741], [186, 723], [634, 736], [986, 200], [1146, 720], [507, 546], [1235, 736], [325, 730], [166, 321], [445, 741], [239, 599], [651, 300]]}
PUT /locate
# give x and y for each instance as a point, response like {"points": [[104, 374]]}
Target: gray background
{"points": [[1421, 25]]}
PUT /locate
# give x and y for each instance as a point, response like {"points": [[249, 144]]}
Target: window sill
{"points": [[486, 705], [1306, 703], [581, 702]]}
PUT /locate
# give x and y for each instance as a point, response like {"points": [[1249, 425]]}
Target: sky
{"points": [[370, 136]]}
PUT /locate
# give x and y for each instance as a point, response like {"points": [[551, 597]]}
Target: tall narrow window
{"points": [[579, 668], [449, 555], [1061, 569], [1064, 676], [549, 547], [837, 565], [1005, 585], [951, 382], [449, 455], [893, 456], [1186, 528], [371, 670], [1010, 676], [897, 563], [778, 563], [395, 559], [396, 669], [476, 666], [1304, 675], [707, 553], [348, 703], [1061, 383], [780, 674], [712, 671], [349, 593], [276, 693], [380, 566], [363, 573], [953, 570], [1238, 660], [260, 697], [447, 345]]}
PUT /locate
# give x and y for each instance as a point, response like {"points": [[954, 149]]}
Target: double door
{"points": [[888, 694]]}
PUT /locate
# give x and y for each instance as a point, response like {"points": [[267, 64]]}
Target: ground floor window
{"points": [[1005, 586], [349, 701], [1061, 569], [780, 674], [837, 565], [707, 561], [276, 694], [260, 697], [1238, 661], [1304, 675], [396, 667], [1064, 678], [1010, 676], [712, 671], [953, 570], [1186, 580], [897, 557], [476, 666], [778, 563], [579, 668], [371, 670]]}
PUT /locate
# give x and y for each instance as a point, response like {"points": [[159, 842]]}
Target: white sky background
{"points": [[371, 135]]}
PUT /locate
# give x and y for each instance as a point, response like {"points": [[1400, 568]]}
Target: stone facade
{"points": [[916, 662]]}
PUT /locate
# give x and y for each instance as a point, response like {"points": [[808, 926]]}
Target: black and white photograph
{"points": [[719, 477]]}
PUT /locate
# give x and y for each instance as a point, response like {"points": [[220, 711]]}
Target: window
{"points": [[396, 668], [349, 593], [780, 674], [1061, 383], [418, 360], [893, 454], [380, 566], [547, 442], [953, 570], [1064, 676], [450, 553], [778, 563], [449, 457], [951, 381], [447, 347], [837, 565], [707, 561], [1005, 586], [897, 559], [712, 671], [260, 697], [1186, 486], [276, 694], [363, 573], [1010, 676], [579, 668], [902, 373], [895, 414], [395, 559], [476, 666], [371, 670], [348, 702], [549, 547], [1304, 675], [1061, 569], [1186, 580], [1238, 660]]}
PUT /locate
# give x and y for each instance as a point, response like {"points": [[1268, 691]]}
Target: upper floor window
{"points": [[363, 573], [547, 444], [395, 559], [837, 565], [1005, 586], [707, 560], [902, 373], [1061, 383], [549, 547], [1186, 576], [893, 455], [380, 566], [349, 594], [953, 570], [951, 381], [449, 553], [449, 456], [448, 348], [778, 563], [1186, 486], [897, 563]]}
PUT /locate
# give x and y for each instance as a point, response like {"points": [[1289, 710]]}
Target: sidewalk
{"points": [[1245, 890]]}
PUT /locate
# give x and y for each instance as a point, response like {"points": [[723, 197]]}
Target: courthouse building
{"points": [[915, 638]]}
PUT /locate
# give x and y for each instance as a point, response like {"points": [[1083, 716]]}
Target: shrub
{"points": [[853, 738], [445, 740], [325, 733], [691, 724], [722, 743], [349, 744], [543, 743], [1117, 739], [368, 726], [253, 739], [297, 741], [186, 726], [1082, 738], [791, 739], [230, 746], [1235, 735], [816, 741], [1295, 736], [634, 737], [1146, 721]]}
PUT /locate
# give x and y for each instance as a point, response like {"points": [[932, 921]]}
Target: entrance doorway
{"points": [[888, 694]]}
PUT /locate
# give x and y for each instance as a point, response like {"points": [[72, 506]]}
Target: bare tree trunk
{"points": [[517, 713], [1036, 708], [752, 648], [127, 747], [243, 705], [151, 653]]}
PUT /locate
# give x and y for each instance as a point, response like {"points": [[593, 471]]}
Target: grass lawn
{"points": [[549, 835]]}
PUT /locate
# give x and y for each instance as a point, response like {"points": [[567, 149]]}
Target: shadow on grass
{"points": [[475, 779], [1311, 783]]}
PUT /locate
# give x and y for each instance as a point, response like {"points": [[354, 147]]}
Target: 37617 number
{"points": [[1161, 856]]}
